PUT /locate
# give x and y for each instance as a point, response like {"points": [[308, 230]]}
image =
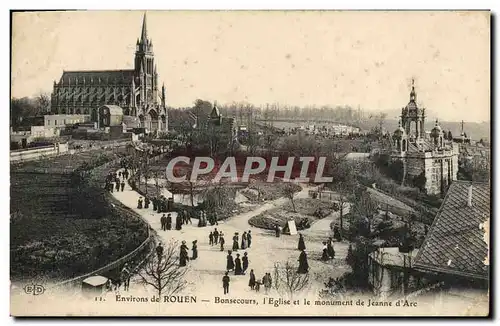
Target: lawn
{"points": [[62, 227], [306, 208]]}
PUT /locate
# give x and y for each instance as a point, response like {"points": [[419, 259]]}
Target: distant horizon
{"points": [[287, 57]]}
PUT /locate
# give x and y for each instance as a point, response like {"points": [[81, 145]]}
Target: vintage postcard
{"points": [[250, 163]]}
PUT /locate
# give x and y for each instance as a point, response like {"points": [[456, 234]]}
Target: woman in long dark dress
{"points": [[302, 245], [237, 266], [169, 221], [195, 250], [324, 256], [244, 240], [329, 247], [146, 202], [235, 242], [139, 203], [178, 222], [251, 282], [249, 238], [303, 264], [230, 261], [245, 262], [183, 257], [155, 204]]}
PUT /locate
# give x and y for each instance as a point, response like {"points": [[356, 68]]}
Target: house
{"points": [[456, 248], [388, 268]]}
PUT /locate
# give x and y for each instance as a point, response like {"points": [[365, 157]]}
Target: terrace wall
{"points": [[36, 153]]}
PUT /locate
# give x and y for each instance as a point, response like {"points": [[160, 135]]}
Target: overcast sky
{"points": [[296, 58]]}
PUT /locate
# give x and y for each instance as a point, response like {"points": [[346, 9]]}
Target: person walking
{"points": [[146, 202], [139, 202], [251, 282], [216, 236], [329, 248], [249, 238], [244, 240], [178, 222], [235, 242], [303, 264], [159, 251], [229, 261], [267, 282], [324, 255], [211, 239], [168, 224], [277, 230], [184, 256], [195, 250], [187, 217], [225, 283], [302, 245], [245, 262], [221, 241], [123, 185], [163, 221], [125, 277], [237, 266]]}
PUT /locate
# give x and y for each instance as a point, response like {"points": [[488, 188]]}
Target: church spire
{"points": [[144, 33]]}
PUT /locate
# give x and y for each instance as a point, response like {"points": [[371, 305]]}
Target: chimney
{"points": [[469, 197]]}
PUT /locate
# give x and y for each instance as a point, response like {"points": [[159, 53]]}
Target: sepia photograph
{"points": [[287, 163]]}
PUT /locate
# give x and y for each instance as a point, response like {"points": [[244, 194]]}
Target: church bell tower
{"points": [[144, 66]]}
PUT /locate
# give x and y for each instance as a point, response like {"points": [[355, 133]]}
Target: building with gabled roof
{"points": [[433, 158], [456, 245], [135, 90]]}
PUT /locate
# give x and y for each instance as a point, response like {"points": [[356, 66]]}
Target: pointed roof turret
{"points": [[144, 33], [413, 94], [215, 111]]}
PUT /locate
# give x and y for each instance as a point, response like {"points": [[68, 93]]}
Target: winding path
{"points": [[205, 273]]}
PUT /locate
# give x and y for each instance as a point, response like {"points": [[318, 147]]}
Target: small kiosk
{"points": [[94, 285]]}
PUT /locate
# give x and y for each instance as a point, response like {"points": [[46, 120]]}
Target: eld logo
{"points": [[34, 289]]}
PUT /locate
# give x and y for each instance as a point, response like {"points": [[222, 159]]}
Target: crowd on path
{"points": [[235, 262], [116, 181]]}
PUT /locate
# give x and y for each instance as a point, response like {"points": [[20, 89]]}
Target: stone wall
{"points": [[39, 152]]}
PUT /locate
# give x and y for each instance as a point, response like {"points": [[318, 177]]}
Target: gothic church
{"points": [[135, 91]]}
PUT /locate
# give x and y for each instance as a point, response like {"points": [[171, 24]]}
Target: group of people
{"points": [[239, 266], [181, 219], [205, 218], [216, 238], [160, 204], [115, 181], [123, 279], [246, 241], [184, 255], [253, 283], [328, 251]]}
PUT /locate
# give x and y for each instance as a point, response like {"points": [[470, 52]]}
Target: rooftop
{"points": [[392, 257], [456, 243]]}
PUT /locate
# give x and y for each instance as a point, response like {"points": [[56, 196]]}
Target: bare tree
{"points": [[344, 184], [159, 183], [163, 273], [42, 102], [287, 281]]}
